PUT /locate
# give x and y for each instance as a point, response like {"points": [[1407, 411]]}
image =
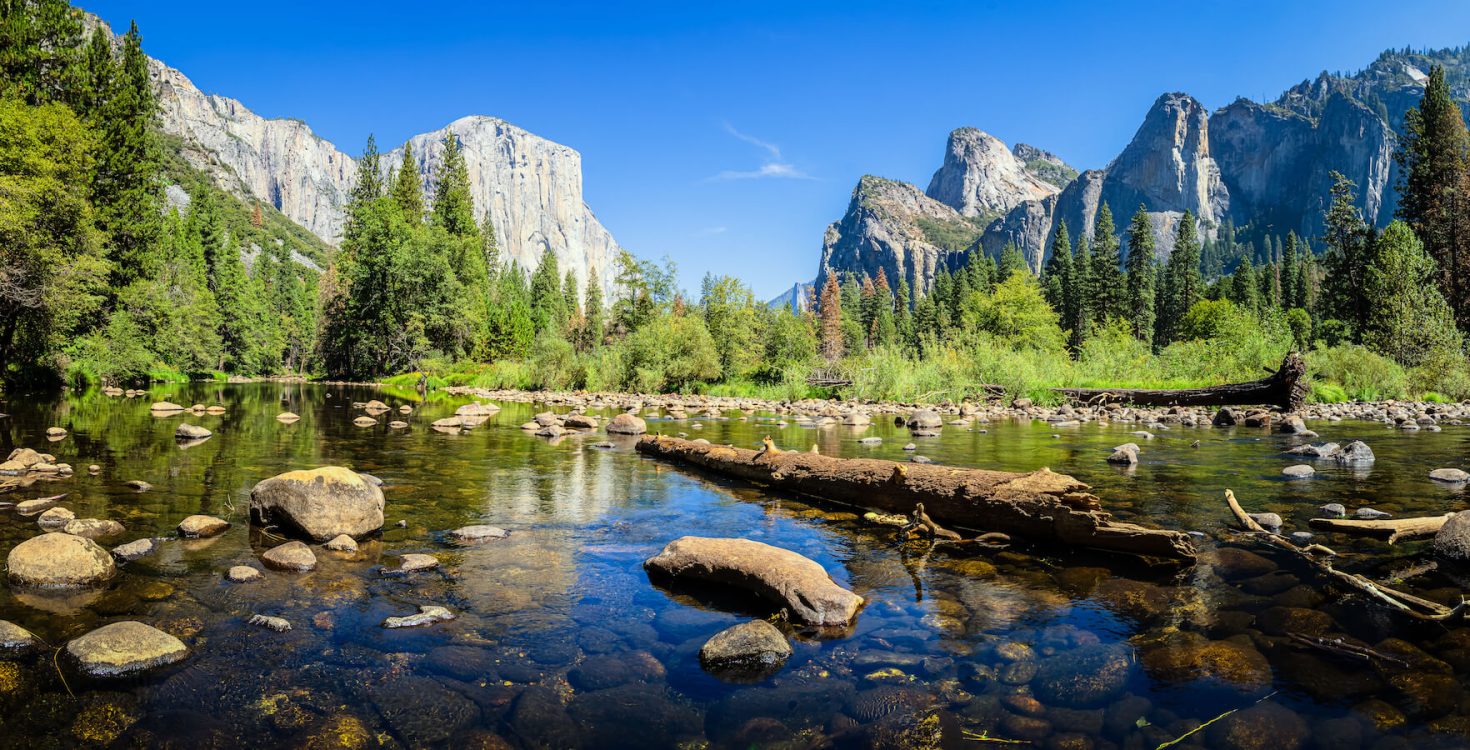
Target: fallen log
{"points": [[1286, 388], [1391, 530], [1401, 601], [1041, 505]]}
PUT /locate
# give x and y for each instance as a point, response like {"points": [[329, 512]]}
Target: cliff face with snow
{"points": [[531, 187]]}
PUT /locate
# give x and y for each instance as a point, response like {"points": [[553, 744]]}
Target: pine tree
{"points": [[830, 307], [1290, 273], [593, 330], [1056, 277], [369, 185], [546, 298], [903, 318], [454, 207], [98, 76], [1083, 295], [1184, 286], [885, 329], [1245, 290], [489, 246], [1139, 307], [1410, 321], [39, 41], [1432, 190], [1346, 260], [1012, 262], [1109, 287], [127, 188], [407, 190]]}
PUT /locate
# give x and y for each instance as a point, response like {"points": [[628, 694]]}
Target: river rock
{"points": [[342, 543], [138, 485], [278, 624], [1449, 475], [93, 528], [1124, 455], [781, 577], [319, 503], [1293, 425], [134, 550], [924, 419], [754, 649], [287, 417], [375, 407], [1356, 453], [1300, 471], [428, 614], [627, 424], [1333, 509], [124, 648], [1264, 726], [364, 422], [188, 431], [581, 422], [165, 407], [54, 518], [202, 526], [1187, 656], [551, 431], [1452, 541], [1226, 417], [1271, 521], [478, 533], [15, 639], [414, 562], [55, 432], [1370, 514], [1083, 677], [290, 556], [242, 574]]}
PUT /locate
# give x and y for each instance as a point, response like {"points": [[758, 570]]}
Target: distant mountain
{"points": [[531, 187], [1266, 164], [799, 298]]}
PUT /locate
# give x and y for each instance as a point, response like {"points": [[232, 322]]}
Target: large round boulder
{"points": [[124, 648], [627, 424], [925, 419], [1452, 541], [319, 503], [57, 560]]}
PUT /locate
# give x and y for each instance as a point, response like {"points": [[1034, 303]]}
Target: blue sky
{"points": [[727, 136]]}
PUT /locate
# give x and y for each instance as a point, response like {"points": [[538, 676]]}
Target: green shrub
{"points": [[1364, 376]]}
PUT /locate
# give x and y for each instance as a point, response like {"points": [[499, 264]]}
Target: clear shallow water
{"points": [[561, 640]]}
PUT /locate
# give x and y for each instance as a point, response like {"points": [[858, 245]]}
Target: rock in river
{"points": [[15, 639], [319, 503], [54, 518], [57, 560], [1449, 475], [779, 576], [1083, 677], [124, 648], [93, 528], [242, 574], [133, 550], [342, 543], [290, 556], [428, 614], [188, 431], [627, 424], [202, 526], [478, 533], [1452, 541], [1300, 471], [752, 650]]}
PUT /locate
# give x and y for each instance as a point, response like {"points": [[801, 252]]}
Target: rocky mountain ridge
{"points": [[531, 187]]}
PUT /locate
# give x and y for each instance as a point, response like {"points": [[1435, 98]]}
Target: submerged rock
{"points": [[1300, 471], [242, 574], [124, 648], [134, 550], [478, 533], [750, 650], [414, 562], [15, 639], [1083, 677], [428, 614], [779, 576], [58, 560], [319, 503]]}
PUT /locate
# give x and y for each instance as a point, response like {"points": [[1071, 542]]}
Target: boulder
{"points": [[1124, 455], [55, 432], [779, 576], [1293, 425], [1300, 471], [202, 526], [242, 574], [124, 648], [551, 431], [364, 422], [319, 503], [15, 639], [93, 528], [342, 543], [448, 423], [754, 650], [133, 550], [1083, 677], [290, 556], [165, 407], [581, 422], [414, 562], [1226, 417], [55, 518], [188, 431], [627, 424], [1452, 541], [1453, 476], [1356, 453], [375, 407], [924, 419]]}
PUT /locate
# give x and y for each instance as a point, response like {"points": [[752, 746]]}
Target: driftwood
{"points": [[1041, 506], [1413, 606], [1286, 388], [1391, 530]]}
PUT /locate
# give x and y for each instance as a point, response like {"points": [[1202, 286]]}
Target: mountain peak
{"points": [[980, 176]]}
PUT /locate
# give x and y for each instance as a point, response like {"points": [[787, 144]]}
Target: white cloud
{"points": [[712, 231], [772, 166]]}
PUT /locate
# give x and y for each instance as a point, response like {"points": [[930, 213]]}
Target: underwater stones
{"points": [[92, 528], [15, 639], [58, 560], [293, 556], [319, 503], [1449, 476], [1264, 726], [341, 543], [422, 711], [188, 431], [1083, 677], [134, 550], [753, 649], [414, 562], [1284, 620], [627, 424], [1299, 471], [477, 534], [603, 671], [242, 574], [428, 614], [138, 485], [1188, 656], [779, 576], [124, 648], [1233, 563], [200, 526]]}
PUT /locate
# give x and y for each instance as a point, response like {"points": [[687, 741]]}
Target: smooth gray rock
{"points": [[58, 560], [1300, 471], [1451, 476], [749, 650], [124, 648]]}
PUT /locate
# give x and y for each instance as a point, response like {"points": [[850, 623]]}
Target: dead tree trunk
{"points": [[1391, 530], [1286, 388], [1041, 506]]}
